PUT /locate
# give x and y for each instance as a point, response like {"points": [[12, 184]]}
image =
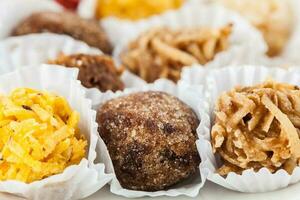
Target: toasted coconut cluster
{"points": [[258, 127], [272, 17], [162, 52]]}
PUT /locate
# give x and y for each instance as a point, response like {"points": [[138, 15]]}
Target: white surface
{"points": [[209, 192], [215, 192]]}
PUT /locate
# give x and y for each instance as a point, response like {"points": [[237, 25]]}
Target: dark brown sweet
{"points": [[151, 139], [96, 71], [67, 23]]}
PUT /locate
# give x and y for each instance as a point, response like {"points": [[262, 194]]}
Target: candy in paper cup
{"points": [[76, 181], [289, 55], [245, 42], [36, 49], [192, 96], [14, 11], [225, 79]]}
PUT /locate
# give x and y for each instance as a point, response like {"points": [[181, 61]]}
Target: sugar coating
{"points": [[151, 139]]}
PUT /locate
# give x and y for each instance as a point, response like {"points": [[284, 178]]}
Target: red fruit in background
{"points": [[69, 4]]}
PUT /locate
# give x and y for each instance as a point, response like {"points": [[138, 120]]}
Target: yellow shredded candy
{"points": [[134, 9], [39, 136]]}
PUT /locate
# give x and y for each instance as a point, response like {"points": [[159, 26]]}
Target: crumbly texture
{"points": [[67, 23], [258, 127], [274, 18], [151, 139], [96, 71], [163, 52]]}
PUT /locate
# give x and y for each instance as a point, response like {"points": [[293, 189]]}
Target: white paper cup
{"points": [[192, 96], [76, 181], [218, 81], [290, 53], [36, 49], [12, 12], [195, 75], [87, 8]]}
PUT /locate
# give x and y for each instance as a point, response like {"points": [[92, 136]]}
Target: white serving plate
{"points": [[209, 192]]}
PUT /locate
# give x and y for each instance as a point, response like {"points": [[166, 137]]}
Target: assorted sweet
{"points": [[274, 18], [134, 9], [258, 127], [151, 136], [151, 139], [162, 52], [39, 135], [95, 71], [66, 23]]}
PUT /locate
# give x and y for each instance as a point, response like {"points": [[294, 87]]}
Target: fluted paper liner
{"points": [[192, 96], [218, 81], [290, 53], [35, 49], [87, 8], [12, 12], [76, 181]]}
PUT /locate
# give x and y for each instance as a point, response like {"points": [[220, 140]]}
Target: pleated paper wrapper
{"points": [[290, 54], [192, 96], [76, 181]]}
